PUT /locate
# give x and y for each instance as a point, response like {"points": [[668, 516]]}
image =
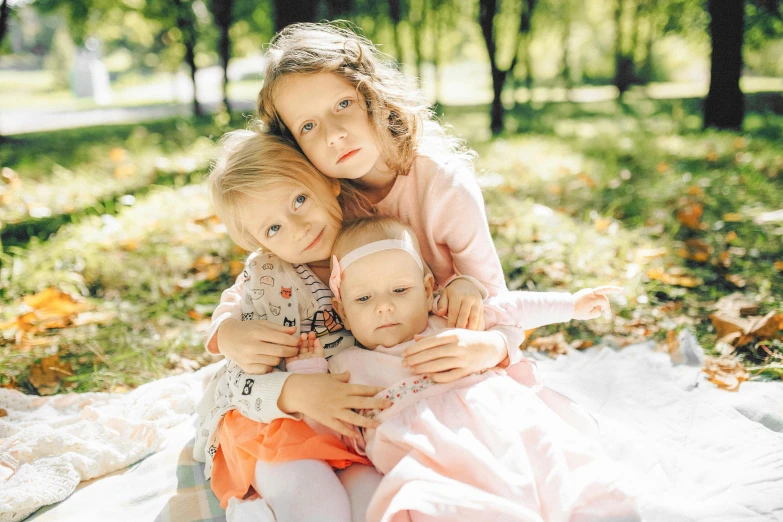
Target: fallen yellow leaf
{"points": [[117, 154], [47, 374], [55, 302], [726, 372], [690, 216], [732, 217]]}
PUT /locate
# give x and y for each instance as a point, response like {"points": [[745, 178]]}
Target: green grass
{"points": [[574, 193]]}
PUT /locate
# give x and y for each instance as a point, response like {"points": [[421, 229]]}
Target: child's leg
{"points": [[302, 491], [360, 482]]}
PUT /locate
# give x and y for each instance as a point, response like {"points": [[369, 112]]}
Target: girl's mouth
{"points": [[348, 155], [388, 326], [316, 240]]}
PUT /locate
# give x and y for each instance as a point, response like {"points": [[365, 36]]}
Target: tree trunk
{"points": [[436, 32], [186, 23], [417, 21], [724, 107], [5, 11], [395, 13], [565, 71], [224, 10], [289, 12], [337, 8], [487, 12], [497, 112]]}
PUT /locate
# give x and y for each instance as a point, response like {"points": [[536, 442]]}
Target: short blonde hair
{"points": [[397, 109], [252, 163]]}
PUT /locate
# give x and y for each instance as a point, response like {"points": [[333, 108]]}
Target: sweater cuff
{"points": [[311, 365], [211, 343], [472, 280], [513, 337], [270, 387]]}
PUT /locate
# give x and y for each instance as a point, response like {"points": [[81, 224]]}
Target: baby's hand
{"points": [[462, 301], [309, 347], [590, 303]]}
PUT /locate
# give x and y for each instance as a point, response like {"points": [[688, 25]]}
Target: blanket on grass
{"points": [[692, 451]]}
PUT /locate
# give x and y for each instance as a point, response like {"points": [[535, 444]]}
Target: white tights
{"points": [[307, 490]]}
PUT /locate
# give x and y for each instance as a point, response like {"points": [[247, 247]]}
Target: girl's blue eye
{"points": [[363, 298], [344, 104], [272, 230], [299, 201], [307, 127]]}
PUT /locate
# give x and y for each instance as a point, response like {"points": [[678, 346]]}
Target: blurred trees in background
{"points": [[531, 43]]}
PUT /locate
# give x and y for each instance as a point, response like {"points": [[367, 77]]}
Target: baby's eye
{"points": [[272, 230], [363, 299], [307, 127], [399, 290], [299, 201], [344, 104]]}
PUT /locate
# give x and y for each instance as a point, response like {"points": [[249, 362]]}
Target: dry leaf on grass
{"points": [[690, 216], [726, 372], [674, 278], [736, 304], [553, 345], [47, 374]]}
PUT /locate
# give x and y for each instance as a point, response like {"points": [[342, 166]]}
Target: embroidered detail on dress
{"points": [[413, 385]]}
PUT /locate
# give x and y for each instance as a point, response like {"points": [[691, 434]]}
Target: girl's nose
{"points": [[335, 133], [384, 307]]}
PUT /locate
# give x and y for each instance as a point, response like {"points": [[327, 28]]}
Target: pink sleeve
{"points": [[528, 310], [457, 219], [227, 309], [311, 365]]}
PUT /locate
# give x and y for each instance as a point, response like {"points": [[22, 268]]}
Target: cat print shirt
{"points": [[284, 294]]}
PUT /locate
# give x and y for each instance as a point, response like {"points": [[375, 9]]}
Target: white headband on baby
{"points": [[338, 267]]}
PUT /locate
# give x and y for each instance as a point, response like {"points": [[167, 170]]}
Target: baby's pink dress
{"points": [[482, 448]]}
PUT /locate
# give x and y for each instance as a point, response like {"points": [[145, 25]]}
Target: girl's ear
{"points": [[338, 307]]}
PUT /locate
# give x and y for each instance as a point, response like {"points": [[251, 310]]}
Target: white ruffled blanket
{"points": [[694, 452], [48, 445]]}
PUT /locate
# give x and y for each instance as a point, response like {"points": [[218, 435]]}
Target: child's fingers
{"points": [[443, 303], [454, 306], [475, 317], [464, 314]]}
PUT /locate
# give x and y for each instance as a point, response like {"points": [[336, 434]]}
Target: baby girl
{"points": [[481, 447]]}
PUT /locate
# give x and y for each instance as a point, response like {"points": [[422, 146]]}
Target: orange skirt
{"points": [[244, 441]]}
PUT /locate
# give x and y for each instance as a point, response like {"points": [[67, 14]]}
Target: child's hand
{"points": [[452, 354], [590, 303], [256, 346], [462, 300], [309, 347], [330, 400]]}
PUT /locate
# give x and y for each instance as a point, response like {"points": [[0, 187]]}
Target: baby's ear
{"points": [[337, 304], [429, 287]]}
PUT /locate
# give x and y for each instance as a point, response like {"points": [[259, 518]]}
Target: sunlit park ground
{"points": [[578, 193]]}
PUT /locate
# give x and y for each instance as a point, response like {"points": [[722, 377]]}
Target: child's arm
{"points": [[530, 310], [255, 345]]}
